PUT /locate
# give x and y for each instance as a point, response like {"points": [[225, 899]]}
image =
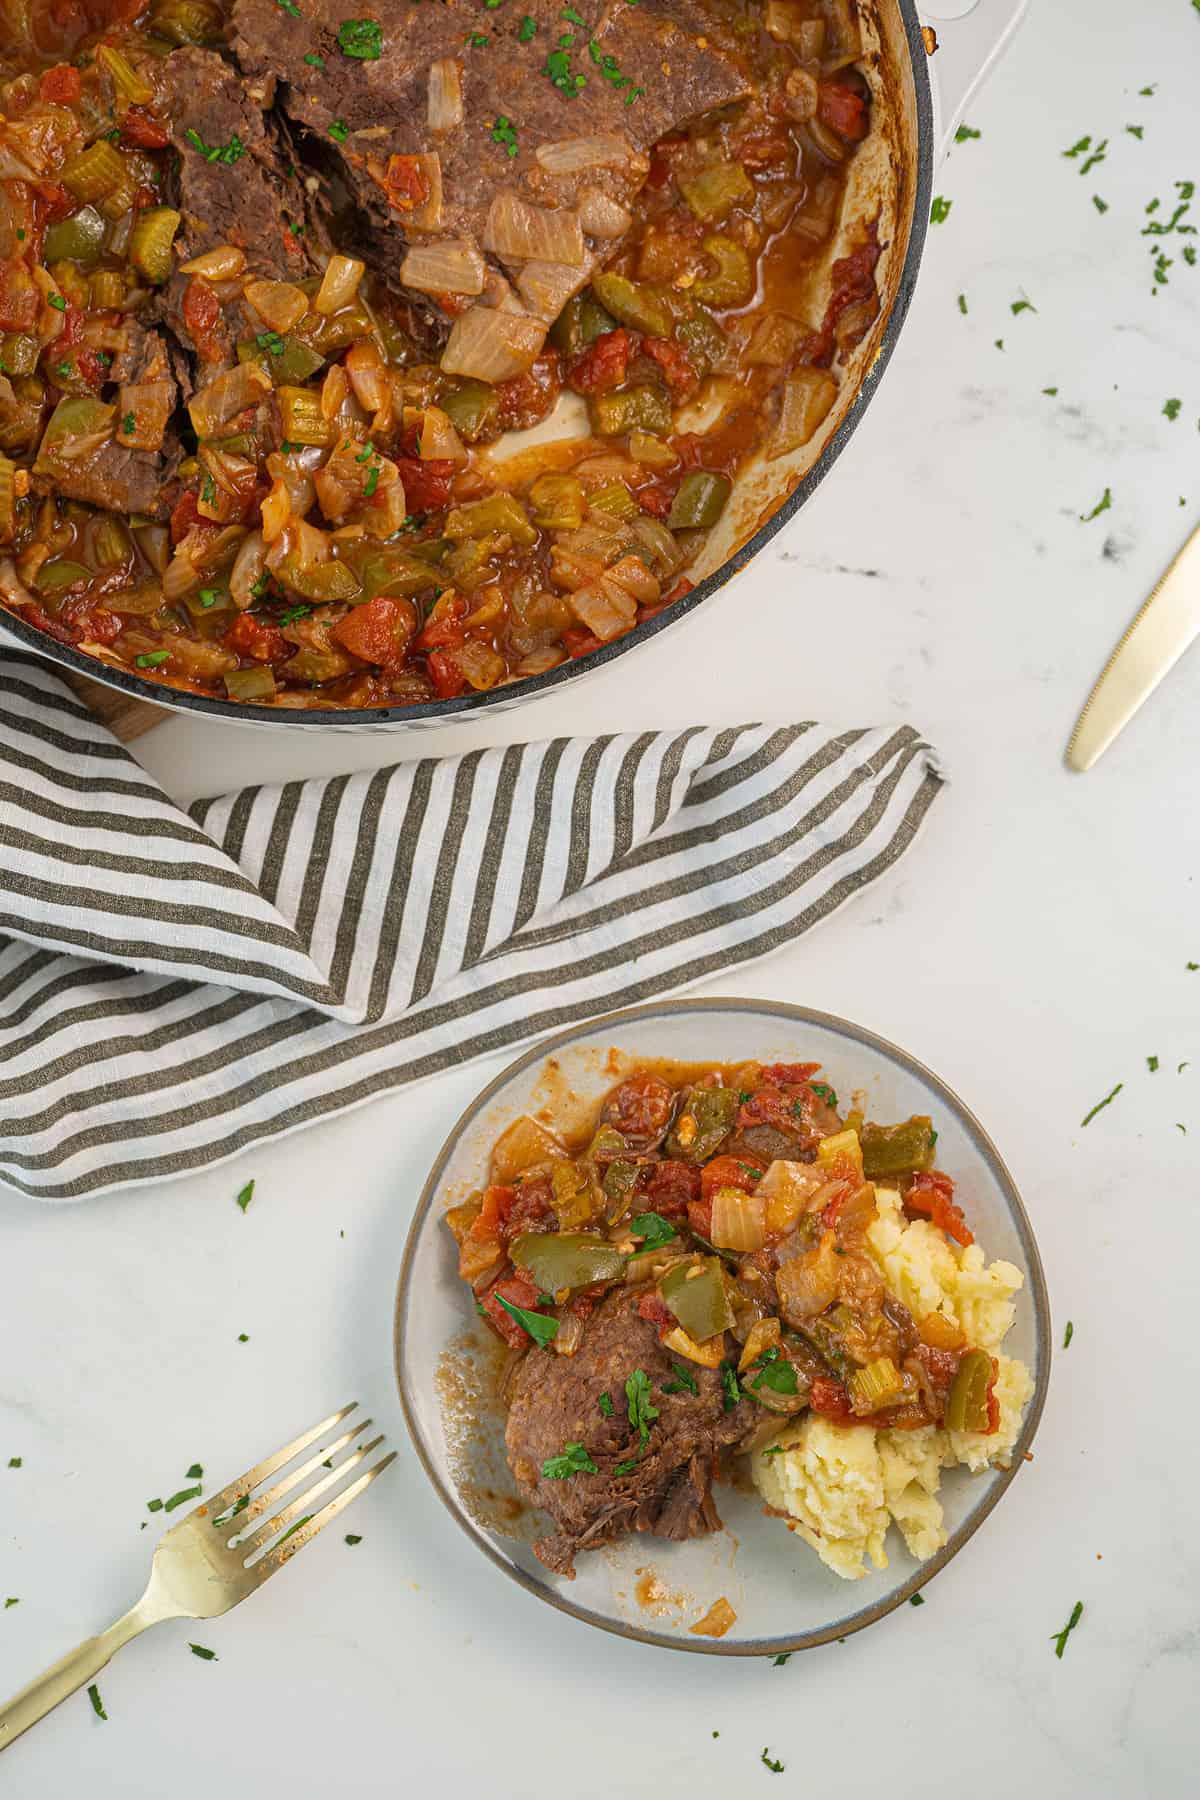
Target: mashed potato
{"points": [[842, 1486]]}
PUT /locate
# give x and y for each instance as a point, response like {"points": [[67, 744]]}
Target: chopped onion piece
{"points": [[763, 1335], [445, 94], [545, 287], [439, 441], [605, 150], [428, 215], [601, 216], [222, 264], [226, 395], [738, 1220], [632, 574], [277, 303], [445, 266], [808, 395], [180, 577], [517, 230], [368, 375], [339, 284], [708, 1354], [149, 405], [498, 292], [606, 608], [248, 566], [491, 345]]}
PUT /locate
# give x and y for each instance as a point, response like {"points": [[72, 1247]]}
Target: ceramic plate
{"points": [[643, 1587]]}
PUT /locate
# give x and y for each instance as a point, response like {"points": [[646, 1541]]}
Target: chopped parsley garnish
{"points": [[684, 1381], [271, 342], [57, 302], [1101, 1104], [245, 1196], [15, 1462], [1171, 409], [204, 1654], [824, 1092], [353, 1537], [1102, 505], [339, 131], [558, 67], [939, 212], [210, 596], [243, 1337], [1022, 305], [128, 425], [574, 1460], [962, 303], [502, 132], [478, 39], [1068, 1334], [13, 1600], [729, 1383], [300, 611], [775, 1450], [540, 1328], [187, 1493], [372, 482], [1050, 391], [216, 153], [609, 68], [775, 1373], [1152, 1064], [208, 491], [195, 1473], [289, 6], [1100, 205], [97, 1703], [777, 1662], [150, 659], [528, 29], [1136, 131], [362, 39], [916, 1599], [654, 1231], [314, 61], [1059, 1638], [63, 371], [772, 1763], [641, 1412], [606, 1405], [965, 133]]}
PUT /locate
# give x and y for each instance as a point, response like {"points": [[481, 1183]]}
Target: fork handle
{"points": [[68, 1675]]}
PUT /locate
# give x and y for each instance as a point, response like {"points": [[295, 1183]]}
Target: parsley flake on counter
{"points": [[1146, 91], [11, 1601], [1085, 143], [1102, 505], [204, 1654], [243, 1337], [1136, 131], [1022, 305], [1107, 1100], [1100, 205], [154, 1506], [916, 1599], [1059, 1638], [187, 1493], [1171, 409], [573, 1460], [1191, 966], [195, 1473], [339, 131], [965, 133], [1051, 391], [1068, 1334], [246, 1195], [503, 133], [97, 1703], [939, 212], [775, 1766], [685, 1381], [1096, 156], [962, 304], [540, 1328], [777, 1662], [362, 39], [353, 1537], [1180, 1127], [605, 1404], [999, 343], [1152, 1064], [15, 1462]]}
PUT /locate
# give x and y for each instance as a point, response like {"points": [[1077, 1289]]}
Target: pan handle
{"points": [[971, 34]]}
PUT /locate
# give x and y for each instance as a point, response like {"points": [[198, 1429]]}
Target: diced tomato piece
{"points": [[185, 516], [426, 484], [138, 127], [518, 1290], [62, 84], [447, 678], [90, 368], [201, 311], [406, 183], [532, 1208], [578, 641], [790, 1074], [699, 1214], [380, 632], [37, 615], [682, 586], [652, 1309], [728, 1171], [656, 497], [54, 201], [662, 164], [843, 111], [100, 626], [526, 399], [18, 296], [766, 1106], [445, 627], [830, 1398], [256, 639], [931, 1194], [670, 1186], [673, 360], [602, 365], [941, 1366]]}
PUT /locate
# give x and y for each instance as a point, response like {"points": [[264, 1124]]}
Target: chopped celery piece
{"points": [[650, 451], [641, 408], [879, 1384], [95, 173], [150, 242], [557, 502], [712, 191], [390, 570], [615, 499], [895, 1149], [700, 500], [287, 360], [967, 1407], [633, 303], [18, 353], [79, 239], [250, 684], [324, 582], [303, 420], [499, 512], [733, 282], [702, 338]]}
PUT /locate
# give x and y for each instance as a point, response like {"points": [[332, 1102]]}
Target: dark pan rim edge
{"points": [[362, 718], [870, 1041]]}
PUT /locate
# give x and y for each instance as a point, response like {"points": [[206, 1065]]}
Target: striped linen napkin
{"points": [[177, 985]]}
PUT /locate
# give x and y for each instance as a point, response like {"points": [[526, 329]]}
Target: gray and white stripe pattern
{"points": [[177, 986]]}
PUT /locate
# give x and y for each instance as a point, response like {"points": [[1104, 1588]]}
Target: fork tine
{"points": [[283, 1552], [254, 1540], [265, 1503], [230, 1494]]}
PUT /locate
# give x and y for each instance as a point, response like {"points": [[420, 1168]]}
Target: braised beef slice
{"points": [[556, 1401], [119, 478], [358, 114]]}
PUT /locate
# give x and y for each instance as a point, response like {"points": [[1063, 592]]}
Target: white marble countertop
{"points": [[1033, 950]]}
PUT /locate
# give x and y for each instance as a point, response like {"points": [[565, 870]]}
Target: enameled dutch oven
{"points": [[919, 94]]}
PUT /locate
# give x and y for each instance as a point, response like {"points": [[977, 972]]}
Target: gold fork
{"points": [[214, 1557]]}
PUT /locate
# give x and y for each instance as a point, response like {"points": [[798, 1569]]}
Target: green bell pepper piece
{"points": [[499, 512], [59, 573], [896, 1149], [712, 191], [470, 407], [250, 684], [572, 1259], [713, 1110], [581, 321], [698, 1301], [702, 338], [633, 303], [79, 239], [642, 408], [967, 1407], [699, 501]]}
